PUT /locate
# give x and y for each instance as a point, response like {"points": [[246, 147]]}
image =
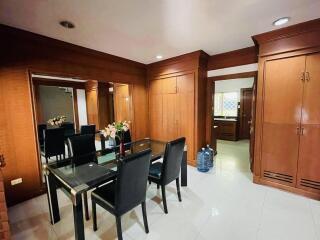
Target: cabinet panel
{"points": [[155, 87], [169, 116], [156, 123], [309, 152], [185, 111], [185, 83], [169, 85], [282, 114]]}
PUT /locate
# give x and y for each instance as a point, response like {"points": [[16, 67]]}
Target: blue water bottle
{"points": [[202, 161]]}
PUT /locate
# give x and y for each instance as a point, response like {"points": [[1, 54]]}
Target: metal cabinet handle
{"points": [[307, 76], [302, 131], [302, 77], [298, 131]]}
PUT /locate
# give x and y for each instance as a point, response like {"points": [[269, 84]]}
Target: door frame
{"points": [[210, 106]]}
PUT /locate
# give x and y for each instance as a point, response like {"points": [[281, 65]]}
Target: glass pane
{"points": [[230, 103]]}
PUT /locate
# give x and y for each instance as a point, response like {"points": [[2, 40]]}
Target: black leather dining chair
{"points": [[41, 128], [68, 129], [83, 150], [88, 129], [126, 192], [169, 170], [53, 143]]}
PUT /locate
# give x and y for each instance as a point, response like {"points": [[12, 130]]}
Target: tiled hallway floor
{"points": [[222, 204]]}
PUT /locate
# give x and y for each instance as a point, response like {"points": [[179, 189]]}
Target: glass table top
{"points": [[86, 176]]}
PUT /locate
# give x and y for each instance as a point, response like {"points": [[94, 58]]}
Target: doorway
{"points": [[233, 104]]}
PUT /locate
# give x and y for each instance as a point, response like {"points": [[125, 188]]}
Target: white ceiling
{"points": [[141, 29]]}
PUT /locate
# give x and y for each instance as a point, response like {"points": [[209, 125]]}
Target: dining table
{"points": [[74, 180]]}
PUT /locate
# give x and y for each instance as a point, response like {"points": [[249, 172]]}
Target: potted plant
{"points": [[116, 130], [57, 121]]}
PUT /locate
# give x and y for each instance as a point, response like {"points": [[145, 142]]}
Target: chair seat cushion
{"points": [[105, 194], [155, 170]]}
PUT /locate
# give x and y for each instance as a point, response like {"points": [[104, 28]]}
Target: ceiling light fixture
{"points": [[281, 21], [159, 57], [67, 24]]}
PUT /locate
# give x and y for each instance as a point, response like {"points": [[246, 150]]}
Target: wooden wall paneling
{"points": [[156, 115], [92, 103], [169, 119], [4, 221], [104, 111], [18, 138], [140, 111], [122, 105], [239, 57], [46, 55], [308, 164], [37, 102], [75, 108], [281, 119]]}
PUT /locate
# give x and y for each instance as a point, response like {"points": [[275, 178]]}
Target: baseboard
{"points": [[261, 181]]}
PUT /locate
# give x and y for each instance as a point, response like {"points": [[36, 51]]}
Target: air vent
{"points": [[278, 176], [310, 184]]}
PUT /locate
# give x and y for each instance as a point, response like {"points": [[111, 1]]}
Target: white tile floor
{"points": [[222, 204]]}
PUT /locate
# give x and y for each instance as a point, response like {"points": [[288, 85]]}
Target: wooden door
{"points": [[245, 112], [309, 151], [156, 110], [281, 119], [185, 111]]}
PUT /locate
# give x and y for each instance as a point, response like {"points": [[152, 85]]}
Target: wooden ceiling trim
{"points": [[238, 57]]}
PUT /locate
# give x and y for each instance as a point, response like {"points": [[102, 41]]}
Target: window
{"points": [[226, 104]]}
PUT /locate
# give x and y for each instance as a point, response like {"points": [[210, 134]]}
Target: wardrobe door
{"points": [[185, 111], [155, 109], [169, 117], [309, 151], [283, 90]]}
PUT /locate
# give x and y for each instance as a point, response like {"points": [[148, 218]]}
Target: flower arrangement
{"points": [[57, 121], [116, 129]]}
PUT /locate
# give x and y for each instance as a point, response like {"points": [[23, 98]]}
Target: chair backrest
{"points": [[41, 128], [54, 142], [132, 179], [68, 128], [88, 129], [172, 160], [82, 149]]}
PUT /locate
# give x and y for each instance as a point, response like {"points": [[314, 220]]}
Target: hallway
{"points": [[233, 156]]}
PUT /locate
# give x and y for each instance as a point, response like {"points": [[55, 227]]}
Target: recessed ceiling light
{"points": [[159, 57], [67, 24], [281, 21]]}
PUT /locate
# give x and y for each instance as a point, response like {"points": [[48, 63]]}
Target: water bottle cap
{"points": [[202, 149]]}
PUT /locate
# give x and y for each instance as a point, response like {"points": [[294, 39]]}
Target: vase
{"points": [[121, 148]]}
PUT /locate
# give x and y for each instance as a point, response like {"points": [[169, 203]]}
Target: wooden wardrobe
{"points": [[287, 149], [171, 104]]}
